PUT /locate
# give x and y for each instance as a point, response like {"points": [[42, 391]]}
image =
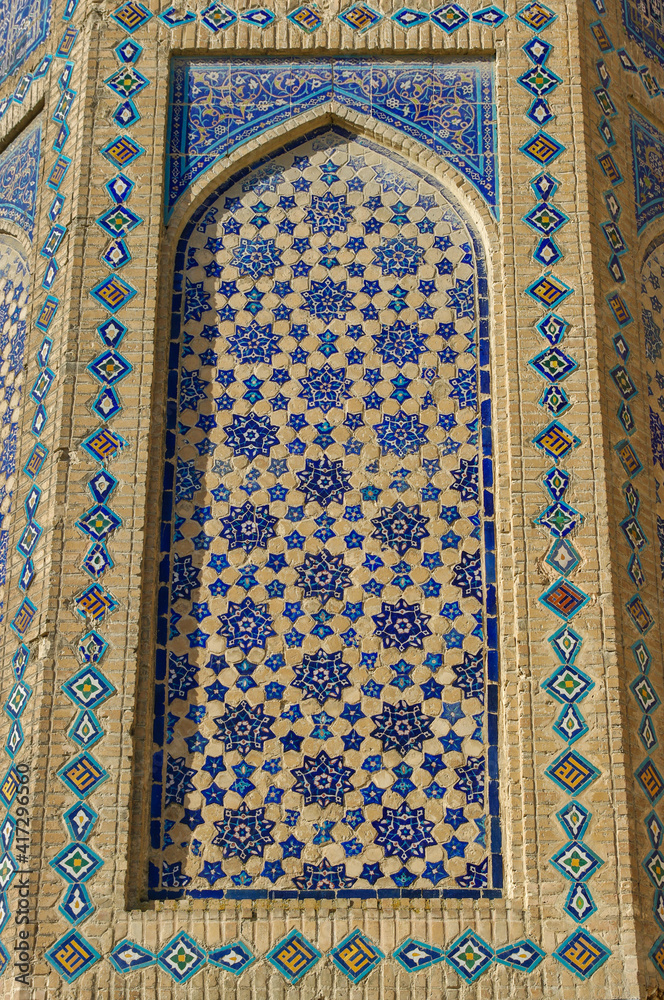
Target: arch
{"points": [[349, 288]]}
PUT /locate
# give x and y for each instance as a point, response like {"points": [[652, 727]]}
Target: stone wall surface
{"points": [[331, 450]]}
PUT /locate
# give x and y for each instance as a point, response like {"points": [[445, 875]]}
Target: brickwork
{"points": [[278, 732]]}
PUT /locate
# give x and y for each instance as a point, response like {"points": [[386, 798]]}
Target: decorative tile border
{"points": [[77, 863], [646, 143], [580, 952], [356, 956]]}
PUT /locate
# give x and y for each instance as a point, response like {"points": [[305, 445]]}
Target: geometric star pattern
{"points": [[325, 532]]}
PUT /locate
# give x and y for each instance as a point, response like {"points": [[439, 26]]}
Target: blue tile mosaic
{"points": [[643, 23], [380, 89], [24, 25], [647, 149], [319, 607], [19, 168]]}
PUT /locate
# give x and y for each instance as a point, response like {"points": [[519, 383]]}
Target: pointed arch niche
{"points": [[326, 662]]}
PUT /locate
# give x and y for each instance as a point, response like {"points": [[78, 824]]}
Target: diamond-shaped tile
{"points": [[576, 861], [113, 293], [15, 739], [490, 17], [107, 403], [579, 903], [95, 603], [563, 557], [122, 151], [556, 440], [545, 218], [126, 114], [536, 16], [234, 957], [413, 955], [566, 644], [647, 733], [128, 956], [642, 656], [20, 661], [556, 482], [612, 204], [8, 869], [80, 818], [544, 186], [553, 364], [559, 519], [356, 956], [542, 148], [547, 253], [76, 862], [409, 17], [537, 50], [88, 687], [29, 538], [39, 420], [109, 367], [570, 724], [182, 958], [450, 17], [645, 694], [86, 730], [111, 332], [582, 953], [7, 832], [174, 17], [50, 274], [555, 400], [574, 819], [17, 700], [572, 772], [119, 188], [90, 650], [360, 17], [119, 220], [132, 15], [57, 205], [82, 774], [306, 17], [72, 955], [549, 291], [569, 684], [553, 328], [525, 955], [76, 904], [654, 829], [293, 956], [5, 914], [217, 17], [101, 485], [539, 112], [564, 599], [259, 17], [99, 521], [654, 866], [635, 571], [469, 956], [539, 80]]}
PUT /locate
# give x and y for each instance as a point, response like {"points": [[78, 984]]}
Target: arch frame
{"points": [[480, 226]]}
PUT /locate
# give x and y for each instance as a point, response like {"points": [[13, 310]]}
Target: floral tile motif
{"points": [[19, 169], [24, 25], [647, 149], [327, 658], [448, 107]]}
